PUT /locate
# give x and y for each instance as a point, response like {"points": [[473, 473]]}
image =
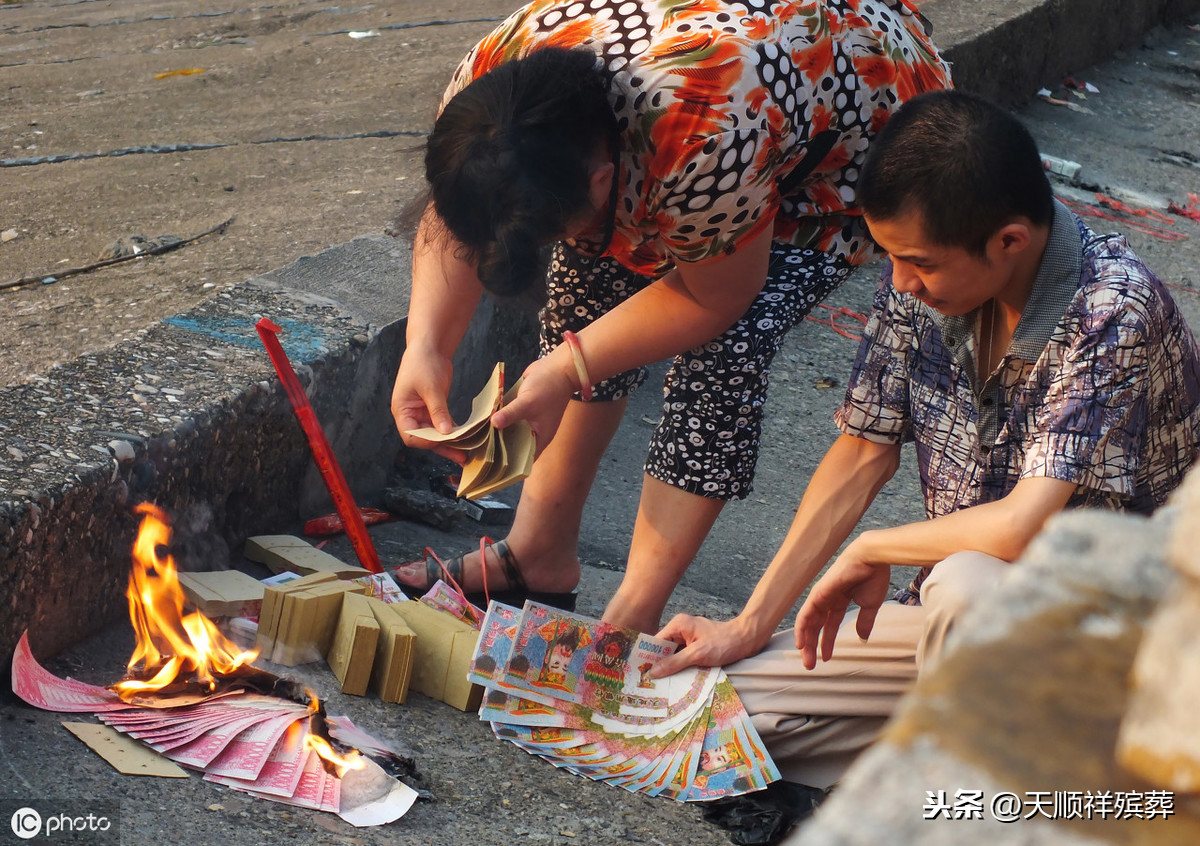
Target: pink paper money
{"points": [[245, 756], [280, 775], [44, 690]]}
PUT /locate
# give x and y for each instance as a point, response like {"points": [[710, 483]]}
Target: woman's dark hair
{"points": [[964, 163], [508, 159]]}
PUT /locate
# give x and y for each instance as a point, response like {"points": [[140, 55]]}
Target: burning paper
{"points": [[173, 650], [193, 696], [258, 744]]}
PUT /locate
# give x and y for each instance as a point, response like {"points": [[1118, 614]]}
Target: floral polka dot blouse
{"points": [[734, 116]]}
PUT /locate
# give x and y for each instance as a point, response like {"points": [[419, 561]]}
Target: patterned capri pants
{"points": [[707, 440]]}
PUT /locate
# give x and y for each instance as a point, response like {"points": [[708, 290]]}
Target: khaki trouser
{"points": [[815, 722]]}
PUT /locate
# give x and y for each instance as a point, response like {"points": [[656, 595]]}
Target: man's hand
{"points": [[706, 644], [848, 580]]}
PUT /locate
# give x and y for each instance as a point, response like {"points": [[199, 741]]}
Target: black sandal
{"points": [[517, 591]]}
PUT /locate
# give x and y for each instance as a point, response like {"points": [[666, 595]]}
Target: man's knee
{"points": [[956, 583], [959, 580]]}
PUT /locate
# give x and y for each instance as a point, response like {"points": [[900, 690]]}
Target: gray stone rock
{"points": [[1158, 739], [122, 450], [424, 507], [1024, 709]]}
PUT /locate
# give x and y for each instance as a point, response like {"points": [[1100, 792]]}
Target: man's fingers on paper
{"points": [[679, 630], [672, 664]]}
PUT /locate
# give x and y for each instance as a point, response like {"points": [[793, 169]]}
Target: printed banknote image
{"points": [[576, 691]]}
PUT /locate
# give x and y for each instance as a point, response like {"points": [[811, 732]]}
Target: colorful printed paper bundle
{"points": [[576, 691]]}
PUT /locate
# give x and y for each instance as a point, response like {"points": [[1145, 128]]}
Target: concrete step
{"points": [[190, 415]]}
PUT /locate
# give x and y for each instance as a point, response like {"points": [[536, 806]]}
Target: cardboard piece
{"points": [[444, 648], [127, 756], [352, 653], [223, 593], [395, 653], [286, 552]]}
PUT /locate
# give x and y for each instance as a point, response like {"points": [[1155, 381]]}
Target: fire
{"points": [[170, 647], [324, 749], [340, 763]]}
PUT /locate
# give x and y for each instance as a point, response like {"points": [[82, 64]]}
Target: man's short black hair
{"points": [[964, 163]]}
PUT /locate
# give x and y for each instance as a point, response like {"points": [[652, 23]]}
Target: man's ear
{"points": [[600, 179], [1011, 240]]}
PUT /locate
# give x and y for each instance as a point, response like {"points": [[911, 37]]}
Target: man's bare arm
{"points": [[843, 486]]}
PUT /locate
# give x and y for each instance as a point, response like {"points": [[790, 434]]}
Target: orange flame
{"points": [[171, 646], [341, 763]]}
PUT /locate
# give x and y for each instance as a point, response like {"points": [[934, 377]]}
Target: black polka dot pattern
{"points": [[707, 440]]}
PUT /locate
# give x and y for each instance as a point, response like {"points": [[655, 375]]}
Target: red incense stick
{"points": [[331, 471]]}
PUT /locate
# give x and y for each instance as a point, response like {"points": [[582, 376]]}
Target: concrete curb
{"points": [[1007, 49], [190, 415]]}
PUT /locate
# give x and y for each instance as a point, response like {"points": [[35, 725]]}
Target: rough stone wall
{"points": [[1158, 739], [1028, 700], [189, 417]]}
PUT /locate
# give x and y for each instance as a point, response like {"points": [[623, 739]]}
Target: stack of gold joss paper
{"points": [[496, 458]]}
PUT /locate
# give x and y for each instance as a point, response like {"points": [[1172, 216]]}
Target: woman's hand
{"points": [[542, 397], [419, 400]]}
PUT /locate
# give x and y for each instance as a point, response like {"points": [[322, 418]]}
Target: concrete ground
{"points": [[1135, 140]]}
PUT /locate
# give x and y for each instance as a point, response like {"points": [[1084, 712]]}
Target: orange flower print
{"points": [[758, 26], [784, 12], [826, 197], [718, 98], [756, 98], [776, 119], [710, 84], [694, 49], [672, 130], [574, 33], [875, 71], [815, 61]]}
